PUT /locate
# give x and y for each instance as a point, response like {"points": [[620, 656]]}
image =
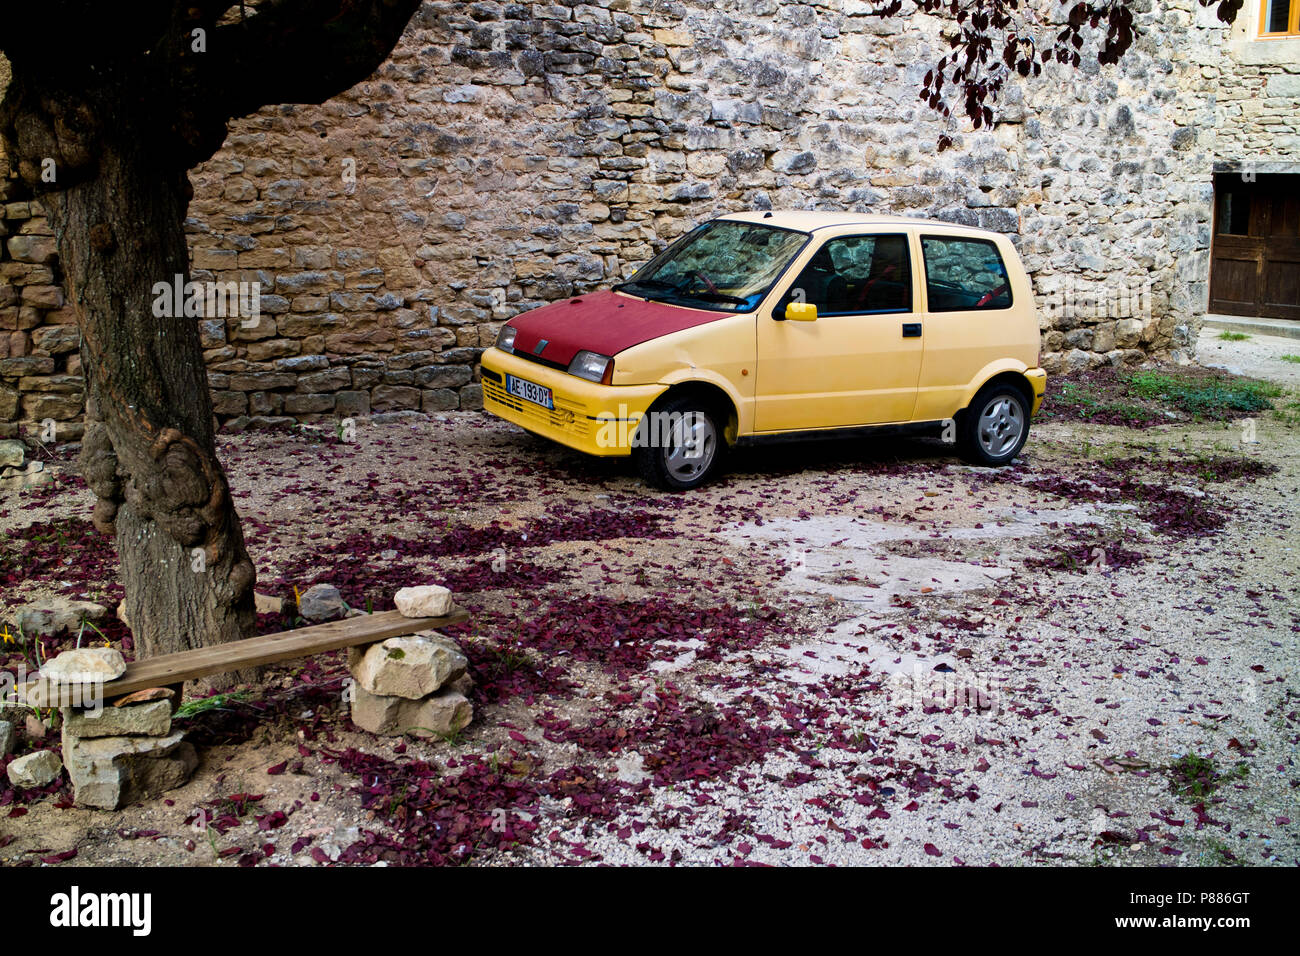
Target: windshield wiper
{"points": [[715, 297], [647, 283]]}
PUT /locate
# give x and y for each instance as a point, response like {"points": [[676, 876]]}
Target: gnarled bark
{"points": [[149, 452]]}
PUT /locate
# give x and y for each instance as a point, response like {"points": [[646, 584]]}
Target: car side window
{"points": [[962, 274], [856, 275]]}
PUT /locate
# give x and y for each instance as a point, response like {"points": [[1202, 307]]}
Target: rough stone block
{"points": [[37, 769], [38, 407], [260, 381], [229, 403], [438, 400], [329, 380], [59, 615], [471, 398], [351, 404], [389, 398], [26, 365], [442, 376], [56, 339], [270, 349], [40, 249], [151, 719], [12, 453], [443, 713], [297, 404], [108, 772], [1128, 333], [410, 667]]}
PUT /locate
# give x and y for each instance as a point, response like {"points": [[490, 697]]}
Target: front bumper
{"points": [[590, 417], [1038, 380]]}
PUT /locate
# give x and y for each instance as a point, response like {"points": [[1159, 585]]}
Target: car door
{"points": [[969, 318], [858, 363]]}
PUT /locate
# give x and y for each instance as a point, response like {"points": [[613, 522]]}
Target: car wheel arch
{"points": [[1007, 376], [713, 396]]}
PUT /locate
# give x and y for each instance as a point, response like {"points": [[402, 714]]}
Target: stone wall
{"points": [[508, 155], [1258, 102]]}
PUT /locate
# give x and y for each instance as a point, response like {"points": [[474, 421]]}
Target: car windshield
{"points": [[723, 265]]}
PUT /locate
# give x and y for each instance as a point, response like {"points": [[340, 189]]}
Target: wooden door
{"points": [[1255, 255]]}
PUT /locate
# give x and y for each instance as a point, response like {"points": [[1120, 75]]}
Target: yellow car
{"points": [[781, 324]]}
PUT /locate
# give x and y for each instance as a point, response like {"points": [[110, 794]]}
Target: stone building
{"points": [[509, 154], [1255, 267]]}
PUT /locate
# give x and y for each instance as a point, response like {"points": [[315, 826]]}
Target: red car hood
{"points": [[603, 322]]}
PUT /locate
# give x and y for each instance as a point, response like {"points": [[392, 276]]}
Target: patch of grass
{"points": [[1293, 359], [453, 739], [1193, 777], [508, 660], [1205, 397], [192, 708], [1233, 336], [1110, 396], [1084, 400]]}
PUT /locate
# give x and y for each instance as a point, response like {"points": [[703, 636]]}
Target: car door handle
{"points": [[911, 330]]}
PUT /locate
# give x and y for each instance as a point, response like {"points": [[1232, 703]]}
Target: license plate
{"points": [[530, 392]]}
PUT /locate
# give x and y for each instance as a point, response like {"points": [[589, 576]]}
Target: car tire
{"points": [[666, 455], [994, 427]]}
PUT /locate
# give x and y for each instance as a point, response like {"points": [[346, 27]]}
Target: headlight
{"points": [[592, 366], [506, 338]]}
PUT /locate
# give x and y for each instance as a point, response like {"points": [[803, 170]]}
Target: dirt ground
{"points": [[841, 653]]}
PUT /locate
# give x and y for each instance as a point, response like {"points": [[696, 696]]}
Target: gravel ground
{"points": [[1259, 355], [842, 653]]}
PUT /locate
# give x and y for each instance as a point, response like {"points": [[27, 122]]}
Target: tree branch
{"points": [[300, 51]]}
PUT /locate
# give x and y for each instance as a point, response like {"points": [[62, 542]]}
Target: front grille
{"points": [[568, 416], [530, 357]]}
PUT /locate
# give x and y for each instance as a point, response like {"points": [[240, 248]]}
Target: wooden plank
{"points": [[252, 651]]}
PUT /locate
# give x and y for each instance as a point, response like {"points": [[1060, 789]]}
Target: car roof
{"points": [[806, 220]]}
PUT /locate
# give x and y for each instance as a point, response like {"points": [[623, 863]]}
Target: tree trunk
{"points": [[104, 131], [149, 452]]}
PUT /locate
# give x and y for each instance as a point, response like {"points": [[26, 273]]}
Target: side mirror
{"points": [[801, 312]]}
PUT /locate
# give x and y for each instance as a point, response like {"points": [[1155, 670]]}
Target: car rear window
{"points": [[964, 274]]}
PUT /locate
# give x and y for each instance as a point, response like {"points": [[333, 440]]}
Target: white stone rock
{"points": [[410, 667], [12, 453], [35, 770], [85, 665], [429, 600], [442, 714]]}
